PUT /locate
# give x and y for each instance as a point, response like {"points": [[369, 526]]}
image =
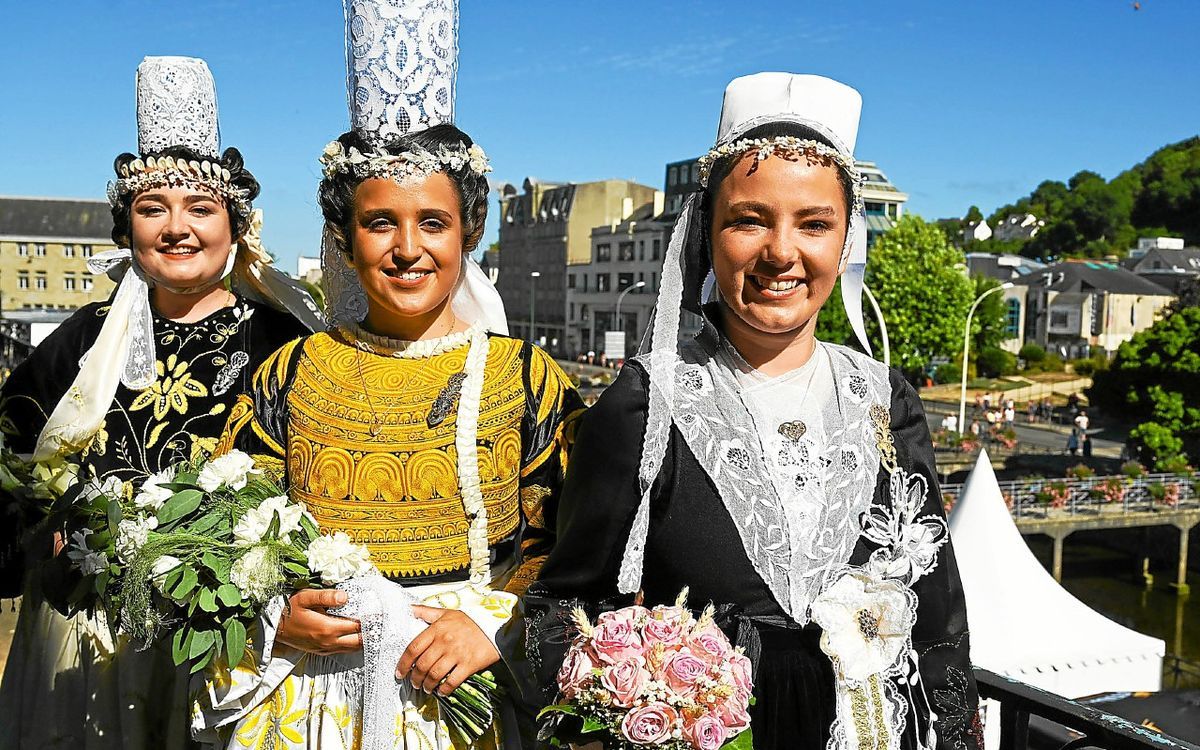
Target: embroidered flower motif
{"points": [[734, 453], [171, 390], [855, 387], [850, 458], [865, 623], [692, 378], [909, 543]]}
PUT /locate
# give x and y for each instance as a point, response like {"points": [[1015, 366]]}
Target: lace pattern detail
{"points": [[402, 57], [177, 106], [345, 300]]}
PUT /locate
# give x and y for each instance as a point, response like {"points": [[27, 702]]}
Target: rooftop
{"points": [[60, 218], [1088, 275]]}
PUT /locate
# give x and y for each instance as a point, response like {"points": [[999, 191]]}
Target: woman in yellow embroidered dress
{"points": [[419, 431]]}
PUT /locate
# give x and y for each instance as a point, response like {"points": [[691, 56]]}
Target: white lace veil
{"points": [[401, 63], [176, 107], [826, 107]]}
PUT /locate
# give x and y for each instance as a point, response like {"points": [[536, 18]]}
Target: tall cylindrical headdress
{"points": [[401, 64]]}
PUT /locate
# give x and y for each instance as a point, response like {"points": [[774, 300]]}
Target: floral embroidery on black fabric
{"points": [[957, 720]]}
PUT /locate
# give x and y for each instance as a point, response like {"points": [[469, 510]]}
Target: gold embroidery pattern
{"points": [[397, 492], [881, 421]]}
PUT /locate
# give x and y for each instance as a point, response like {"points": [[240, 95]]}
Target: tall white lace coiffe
{"points": [[176, 106]]}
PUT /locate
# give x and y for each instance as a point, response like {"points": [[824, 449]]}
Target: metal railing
{"points": [[1018, 702], [1043, 498]]}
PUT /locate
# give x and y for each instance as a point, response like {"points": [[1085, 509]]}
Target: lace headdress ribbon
{"points": [[826, 107]]}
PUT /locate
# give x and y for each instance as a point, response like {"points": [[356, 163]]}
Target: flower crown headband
{"points": [[786, 146], [165, 171], [416, 162]]}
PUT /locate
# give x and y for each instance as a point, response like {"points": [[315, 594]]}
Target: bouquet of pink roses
{"points": [[652, 677]]}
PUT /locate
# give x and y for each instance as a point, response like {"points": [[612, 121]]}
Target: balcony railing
{"points": [[1095, 728], [1043, 498]]}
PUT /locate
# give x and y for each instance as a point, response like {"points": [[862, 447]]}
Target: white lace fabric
{"points": [[177, 106]]}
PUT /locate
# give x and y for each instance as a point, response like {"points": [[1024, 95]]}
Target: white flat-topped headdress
{"points": [[830, 112], [176, 107], [401, 63]]}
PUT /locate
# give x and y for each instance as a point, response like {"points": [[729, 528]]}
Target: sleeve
{"points": [[552, 412], [594, 514], [940, 637], [257, 423]]}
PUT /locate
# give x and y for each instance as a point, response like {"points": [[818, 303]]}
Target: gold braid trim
{"points": [[881, 422]]}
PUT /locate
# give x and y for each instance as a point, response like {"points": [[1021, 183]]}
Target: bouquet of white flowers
{"points": [[28, 492]]}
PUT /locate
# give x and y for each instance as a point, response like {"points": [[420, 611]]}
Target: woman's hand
{"points": [[306, 626], [449, 651]]}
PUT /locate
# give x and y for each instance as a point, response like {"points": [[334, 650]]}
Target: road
{"points": [[1051, 438]]}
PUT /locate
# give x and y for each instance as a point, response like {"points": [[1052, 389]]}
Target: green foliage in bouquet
{"points": [[197, 551]]}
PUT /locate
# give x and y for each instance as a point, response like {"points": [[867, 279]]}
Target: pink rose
{"points": [[710, 645], [615, 638], [665, 626], [743, 672], [575, 672], [649, 725], [733, 713], [683, 670], [625, 681], [705, 733]]}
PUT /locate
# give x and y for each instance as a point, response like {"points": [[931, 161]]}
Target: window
{"points": [[572, 311], [22, 281], [583, 312], [672, 176], [583, 278], [570, 281], [87, 251], [603, 253], [641, 250], [625, 251], [69, 283], [23, 250], [624, 281], [873, 208], [40, 282], [603, 282], [68, 251], [654, 281], [1059, 319], [656, 248], [87, 283], [1012, 318], [695, 173], [40, 250]]}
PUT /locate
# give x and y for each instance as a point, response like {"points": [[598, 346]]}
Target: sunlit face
{"points": [[181, 235], [777, 237], [407, 242]]}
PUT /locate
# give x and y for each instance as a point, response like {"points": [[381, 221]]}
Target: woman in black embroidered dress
{"points": [[192, 344], [788, 481]]}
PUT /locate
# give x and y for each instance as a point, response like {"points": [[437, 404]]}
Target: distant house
{"points": [[1075, 308], [1165, 261], [1008, 268], [1017, 227], [976, 231]]}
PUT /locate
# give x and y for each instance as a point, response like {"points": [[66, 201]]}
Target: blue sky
{"points": [[964, 102]]}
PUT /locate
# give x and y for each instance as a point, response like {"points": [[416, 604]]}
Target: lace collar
{"points": [[399, 349]]}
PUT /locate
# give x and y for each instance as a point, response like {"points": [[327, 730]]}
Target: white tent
{"points": [[1023, 624]]}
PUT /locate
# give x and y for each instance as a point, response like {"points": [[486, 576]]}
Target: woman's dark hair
{"points": [[240, 178], [336, 194]]}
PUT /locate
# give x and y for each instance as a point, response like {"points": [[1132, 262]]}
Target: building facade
{"points": [[543, 230], [1165, 261], [45, 244], [883, 203], [1008, 268]]}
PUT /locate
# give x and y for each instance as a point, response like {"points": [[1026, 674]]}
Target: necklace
{"points": [[795, 429]]}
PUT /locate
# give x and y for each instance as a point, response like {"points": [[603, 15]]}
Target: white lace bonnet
{"points": [[401, 62], [176, 106], [820, 104]]}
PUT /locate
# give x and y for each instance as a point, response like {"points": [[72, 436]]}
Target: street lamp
{"points": [[533, 277], [621, 296], [962, 395]]}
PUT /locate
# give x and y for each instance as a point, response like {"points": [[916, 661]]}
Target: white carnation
{"points": [[162, 568], [152, 494], [231, 470], [256, 575], [111, 488], [336, 559], [132, 534], [253, 526]]}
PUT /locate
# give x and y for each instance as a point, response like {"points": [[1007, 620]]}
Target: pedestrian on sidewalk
{"points": [[1073, 443], [1082, 421], [1086, 440]]}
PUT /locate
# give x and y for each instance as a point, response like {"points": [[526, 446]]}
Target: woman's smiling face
{"points": [[407, 244], [181, 235], [778, 227]]}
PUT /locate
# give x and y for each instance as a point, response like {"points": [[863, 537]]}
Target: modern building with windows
{"points": [[883, 203], [1008, 268], [45, 244], [544, 230]]}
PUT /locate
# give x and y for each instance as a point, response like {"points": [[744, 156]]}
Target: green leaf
{"points": [[180, 504], [173, 578], [201, 641], [203, 662], [114, 516], [218, 564], [101, 582], [229, 595], [235, 642], [740, 741], [591, 725], [187, 582], [208, 600], [181, 644], [559, 708], [181, 483], [207, 523]]}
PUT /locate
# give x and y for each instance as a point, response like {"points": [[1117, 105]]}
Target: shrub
{"points": [[1164, 494], [1133, 469], [1081, 471], [1032, 353], [1111, 490], [1053, 363], [993, 362], [948, 373], [1083, 367], [1174, 465]]}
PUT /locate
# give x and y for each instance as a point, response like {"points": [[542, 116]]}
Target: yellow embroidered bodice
{"points": [[360, 454]]}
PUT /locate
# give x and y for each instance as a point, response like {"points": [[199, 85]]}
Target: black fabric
{"points": [[693, 542]]}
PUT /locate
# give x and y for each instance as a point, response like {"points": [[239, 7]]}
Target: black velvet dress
{"points": [[694, 542]]}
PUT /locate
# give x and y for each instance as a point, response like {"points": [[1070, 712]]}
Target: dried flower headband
{"points": [[786, 146], [413, 163], [165, 171]]}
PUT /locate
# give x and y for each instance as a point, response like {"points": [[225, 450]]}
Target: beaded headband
{"points": [[164, 171], [785, 146], [413, 163]]}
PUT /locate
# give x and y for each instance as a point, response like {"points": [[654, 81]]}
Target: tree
{"points": [[1154, 381], [832, 324], [973, 215], [989, 326], [918, 278]]}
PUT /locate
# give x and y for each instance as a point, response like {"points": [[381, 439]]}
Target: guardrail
{"points": [[1041, 498]]}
